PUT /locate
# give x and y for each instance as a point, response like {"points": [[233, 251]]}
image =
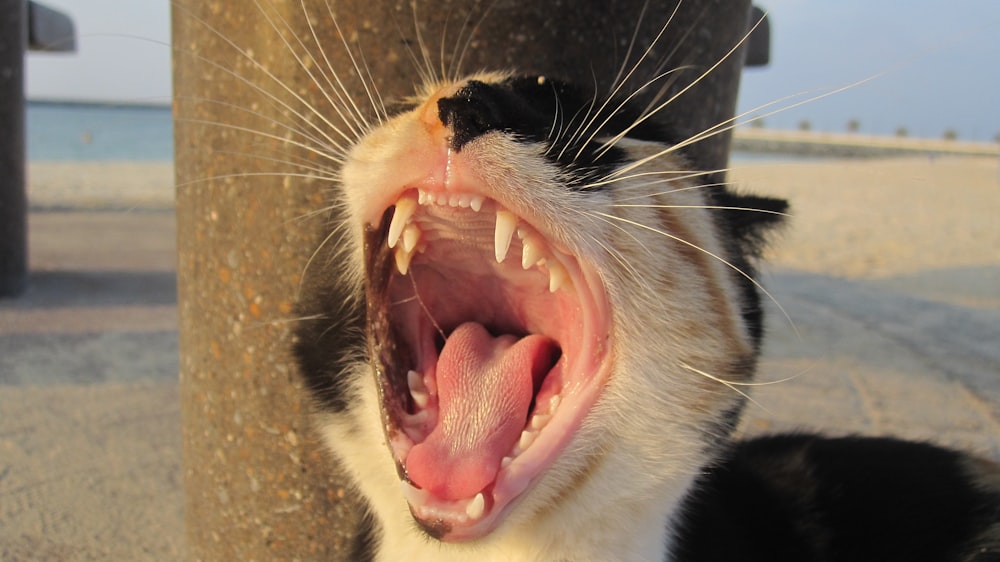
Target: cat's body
{"points": [[557, 315]]}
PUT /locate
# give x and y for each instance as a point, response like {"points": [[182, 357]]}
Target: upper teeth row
{"points": [[535, 251]]}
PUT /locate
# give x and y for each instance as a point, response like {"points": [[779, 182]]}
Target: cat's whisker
{"points": [[364, 78], [355, 124], [340, 90], [281, 158], [620, 82], [272, 77], [426, 310], [621, 105], [209, 179], [680, 175], [221, 124], [713, 255], [459, 60], [728, 384], [710, 207], [619, 257], [305, 135], [733, 123], [421, 59], [336, 233], [608, 144]]}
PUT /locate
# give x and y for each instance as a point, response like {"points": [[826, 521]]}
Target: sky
{"points": [[936, 63]]}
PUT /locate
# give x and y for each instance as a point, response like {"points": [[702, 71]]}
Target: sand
{"points": [[889, 271], [883, 218]]}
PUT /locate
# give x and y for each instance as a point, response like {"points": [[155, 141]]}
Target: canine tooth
{"points": [[476, 507], [405, 208], [403, 260], [557, 275], [506, 224], [531, 253], [476, 203], [411, 236]]}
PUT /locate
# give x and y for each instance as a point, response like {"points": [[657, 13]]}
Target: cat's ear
{"points": [[751, 218]]}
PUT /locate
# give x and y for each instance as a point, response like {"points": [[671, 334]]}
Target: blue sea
{"points": [[87, 131], [83, 131]]}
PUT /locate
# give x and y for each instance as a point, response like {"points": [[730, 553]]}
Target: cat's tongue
{"points": [[485, 386]]}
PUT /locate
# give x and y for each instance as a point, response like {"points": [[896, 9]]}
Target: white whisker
{"points": [[713, 255]]}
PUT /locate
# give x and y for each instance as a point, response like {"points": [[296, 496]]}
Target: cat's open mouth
{"points": [[490, 346]]}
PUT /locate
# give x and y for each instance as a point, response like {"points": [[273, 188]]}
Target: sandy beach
{"points": [[888, 275]]}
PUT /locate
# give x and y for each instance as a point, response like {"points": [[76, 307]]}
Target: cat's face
{"points": [[556, 309]]}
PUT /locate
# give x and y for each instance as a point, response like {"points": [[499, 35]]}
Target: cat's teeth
{"points": [[421, 396], [421, 399], [405, 208], [531, 252], [415, 381], [506, 225], [476, 507], [538, 421], [558, 276], [476, 202], [411, 237], [554, 403], [414, 495], [527, 438], [403, 259]]}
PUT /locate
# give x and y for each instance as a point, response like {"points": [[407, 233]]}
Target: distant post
{"points": [[13, 200], [257, 484], [22, 24]]}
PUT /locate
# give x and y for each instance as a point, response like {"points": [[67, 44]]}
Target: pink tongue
{"points": [[485, 386]]}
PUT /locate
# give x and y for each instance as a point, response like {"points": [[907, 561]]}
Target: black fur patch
{"points": [[744, 222], [803, 498], [330, 334], [548, 112]]}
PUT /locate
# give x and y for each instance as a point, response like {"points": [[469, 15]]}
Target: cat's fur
{"points": [[654, 318]]}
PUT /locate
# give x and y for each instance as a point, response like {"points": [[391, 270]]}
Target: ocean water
{"points": [[83, 131], [80, 131]]}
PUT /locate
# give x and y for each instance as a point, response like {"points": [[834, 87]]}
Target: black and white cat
{"points": [[555, 309], [526, 345]]}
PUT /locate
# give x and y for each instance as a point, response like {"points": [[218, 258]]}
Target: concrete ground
{"points": [[90, 455]]}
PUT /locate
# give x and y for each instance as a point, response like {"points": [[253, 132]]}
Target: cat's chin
{"points": [[490, 345]]}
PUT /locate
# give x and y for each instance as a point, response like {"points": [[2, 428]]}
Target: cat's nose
{"points": [[475, 109]]}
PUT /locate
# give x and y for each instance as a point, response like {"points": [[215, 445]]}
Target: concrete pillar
{"points": [[13, 200], [257, 485]]}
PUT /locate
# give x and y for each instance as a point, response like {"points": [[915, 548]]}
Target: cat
{"points": [[555, 315], [531, 341]]}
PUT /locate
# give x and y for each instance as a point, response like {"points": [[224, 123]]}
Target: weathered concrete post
{"points": [[257, 486], [23, 25], [13, 201]]}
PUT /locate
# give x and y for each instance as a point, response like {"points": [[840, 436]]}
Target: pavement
{"points": [[90, 449]]}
